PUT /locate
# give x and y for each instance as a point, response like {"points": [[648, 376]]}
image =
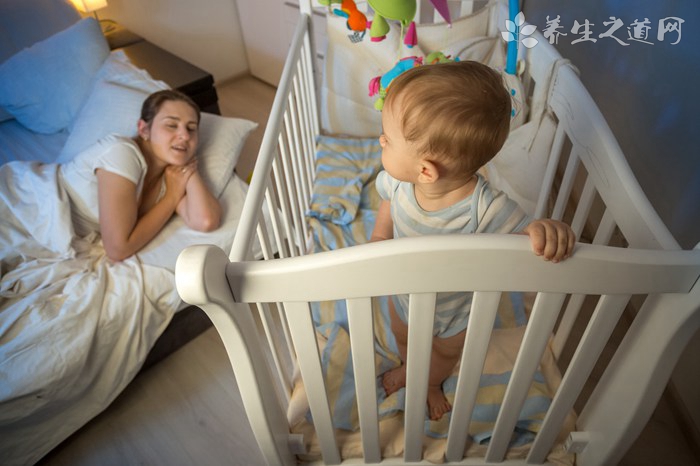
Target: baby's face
{"points": [[399, 156]]}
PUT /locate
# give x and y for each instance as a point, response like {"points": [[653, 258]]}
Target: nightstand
{"points": [[173, 70]]}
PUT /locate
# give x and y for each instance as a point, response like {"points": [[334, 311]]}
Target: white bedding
{"points": [[74, 327]]}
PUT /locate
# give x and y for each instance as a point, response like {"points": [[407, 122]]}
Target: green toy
{"points": [[398, 10]]}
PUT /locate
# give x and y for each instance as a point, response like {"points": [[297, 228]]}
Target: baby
{"points": [[441, 123]]}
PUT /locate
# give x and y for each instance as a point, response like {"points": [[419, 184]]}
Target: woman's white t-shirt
{"points": [[113, 153]]}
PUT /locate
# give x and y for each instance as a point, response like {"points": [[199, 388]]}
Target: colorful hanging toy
{"points": [[398, 10], [403, 11], [380, 84], [356, 20]]}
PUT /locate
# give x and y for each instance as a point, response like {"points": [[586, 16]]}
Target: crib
{"points": [[627, 277]]}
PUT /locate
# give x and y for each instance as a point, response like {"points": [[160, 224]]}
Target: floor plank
{"points": [[184, 410]]}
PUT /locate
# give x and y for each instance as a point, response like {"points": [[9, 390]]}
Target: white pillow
{"points": [[221, 140], [115, 107], [45, 85]]}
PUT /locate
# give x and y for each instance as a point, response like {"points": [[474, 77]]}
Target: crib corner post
{"points": [[631, 387], [201, 280]]}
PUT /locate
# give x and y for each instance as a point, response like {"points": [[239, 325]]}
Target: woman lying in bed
{"points": [[129, 188]]}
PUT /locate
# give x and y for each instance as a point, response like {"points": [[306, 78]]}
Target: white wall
{"points": [[207, 33]]}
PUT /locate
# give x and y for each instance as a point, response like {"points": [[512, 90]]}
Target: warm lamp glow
{"points": [[88, 6]]}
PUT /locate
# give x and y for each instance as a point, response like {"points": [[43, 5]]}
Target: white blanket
{"points": [[74, 327]]}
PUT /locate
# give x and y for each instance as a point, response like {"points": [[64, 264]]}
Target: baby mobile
{"points": [[404, 11]]}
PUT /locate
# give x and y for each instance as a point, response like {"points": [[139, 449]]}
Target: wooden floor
{"points": [[187, 409]]}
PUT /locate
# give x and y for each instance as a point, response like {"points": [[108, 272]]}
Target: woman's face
{"points": [[173, 133]]}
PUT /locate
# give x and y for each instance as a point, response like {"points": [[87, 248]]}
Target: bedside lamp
{"points": [[91, 6]]}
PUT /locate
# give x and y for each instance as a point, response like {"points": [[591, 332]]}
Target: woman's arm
{"points": [[199, 208], [123, 232], [384, 226]]}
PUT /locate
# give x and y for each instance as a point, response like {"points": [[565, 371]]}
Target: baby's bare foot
{"points": [[394, 379], [437, 403]]}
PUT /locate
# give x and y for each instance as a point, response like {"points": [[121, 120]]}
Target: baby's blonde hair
{"points": [[458, 112]]}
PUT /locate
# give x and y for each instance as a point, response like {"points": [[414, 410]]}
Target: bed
{"points": [[306, 329], [74, 328]]}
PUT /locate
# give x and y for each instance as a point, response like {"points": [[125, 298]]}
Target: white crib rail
{"points": [[472, 263]]}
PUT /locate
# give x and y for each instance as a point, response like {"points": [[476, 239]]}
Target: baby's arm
{"points": [[384, 226], [552, 239]]}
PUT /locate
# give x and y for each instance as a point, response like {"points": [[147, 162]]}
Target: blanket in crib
{"points": [[342, 214], [344, 201], [74, 327]]}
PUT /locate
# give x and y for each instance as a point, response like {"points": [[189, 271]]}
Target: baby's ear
{"points": [[429, 172]]}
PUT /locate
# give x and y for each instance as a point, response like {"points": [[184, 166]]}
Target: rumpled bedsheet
{"points": [[74, 327]]}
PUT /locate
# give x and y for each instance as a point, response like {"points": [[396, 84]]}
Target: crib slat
{"points": [[307, 61], [421, 312], [602, 236], [292, 220], [273, 342], [567, 184], [273, 202], [539, 329], [305, 185], [598, 331], [362, 347], [583, 207], [285, 329], [284, 177], [550, 172], [303, 334], [483, 314], [264, 240], [568, 319], [605, 229]]}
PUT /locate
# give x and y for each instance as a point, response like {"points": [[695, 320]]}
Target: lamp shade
{"points": [[88, 6]]}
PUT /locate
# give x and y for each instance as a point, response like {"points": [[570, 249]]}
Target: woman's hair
{"points": [[151, 106], [459, 112]]}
